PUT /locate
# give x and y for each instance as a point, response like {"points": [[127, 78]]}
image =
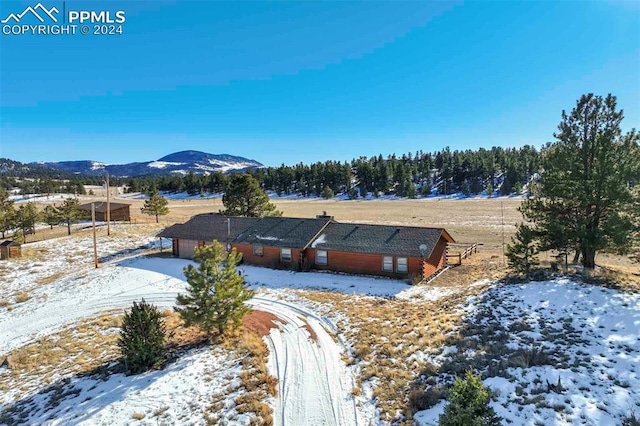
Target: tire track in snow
{"points": [[315, 386]]}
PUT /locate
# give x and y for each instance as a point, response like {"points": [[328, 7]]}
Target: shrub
{"points": [[631, 420], [521, 253], [142, 337], [327, 193], [468, 403], [422, 400]]}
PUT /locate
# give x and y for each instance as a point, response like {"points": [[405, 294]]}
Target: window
{"points": [[401, 264], [257, 250], [387, 263], [285, 255], [321, 257]]}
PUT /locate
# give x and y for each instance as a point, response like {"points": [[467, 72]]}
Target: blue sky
{"points": [[284, 82]]}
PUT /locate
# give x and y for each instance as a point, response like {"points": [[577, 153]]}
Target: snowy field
{"points": [[305, 354], [553, 353]]}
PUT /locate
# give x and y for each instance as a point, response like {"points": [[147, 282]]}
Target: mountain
{"points": [[181, 162], [17, 169]]}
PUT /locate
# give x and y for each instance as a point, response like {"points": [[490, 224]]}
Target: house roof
{"points": [[101, 206], [7, 243], [283, 231], [321, 232], [380, 239], [208, 227]]}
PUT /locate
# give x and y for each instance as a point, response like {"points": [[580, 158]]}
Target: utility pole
{"points": [[108, 209], [502, 211], [95, 242]]}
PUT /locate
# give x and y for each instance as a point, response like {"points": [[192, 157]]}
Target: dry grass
{"points": [[255, 379], [248, 344], [51, 278], [91, 344], [386, 332], [21, 296], [137, 416], [76, 349]]}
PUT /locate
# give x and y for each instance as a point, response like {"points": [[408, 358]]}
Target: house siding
{"points": [[270, 256], [437, 260], [338, 261], [362, 263]]}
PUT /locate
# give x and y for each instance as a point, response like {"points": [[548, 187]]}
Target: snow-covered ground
{"points": [[315, 369], [586, 338], [52, 259], [41, 198], [179, 394], [315, 384]]}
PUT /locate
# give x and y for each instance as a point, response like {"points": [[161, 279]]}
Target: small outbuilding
{"points": [[120, 212], [10, 249]]}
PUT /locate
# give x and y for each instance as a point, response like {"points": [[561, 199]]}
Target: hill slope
{"points": [[181, 162]]}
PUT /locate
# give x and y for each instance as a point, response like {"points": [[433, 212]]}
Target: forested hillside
{"points": [[31, 179], [408, 175]]}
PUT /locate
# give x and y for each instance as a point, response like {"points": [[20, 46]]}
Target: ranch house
{"points": [[321, 243]]}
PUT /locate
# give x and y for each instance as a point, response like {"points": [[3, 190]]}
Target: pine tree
{"points": [[412, 192], [26, 218], [327, 193], [142, 337], [522, 250], [216, 295], [244, 197], [50, 216], [465, 189], [70, 212], [517, 188], [489, 190], [7, 213], [586, 178], [156, 206], [469, 404]]}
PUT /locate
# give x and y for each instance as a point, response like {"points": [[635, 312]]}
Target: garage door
{"points": [[187, 248]]}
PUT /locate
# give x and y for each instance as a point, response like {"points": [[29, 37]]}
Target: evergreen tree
{"points": [[489, 189], [468, 404], [7, 213], [521, 253], [587, 173], [465, 189], [26, 218], [412, 192], [352, 193], [70, 212], [244, 197], [142, 336], [156, 206], [517, 188], [216, 294], [50, 216], [327, 193], [506, 187]]}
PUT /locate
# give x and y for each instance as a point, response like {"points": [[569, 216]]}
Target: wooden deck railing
{"points": [[468, 250]]}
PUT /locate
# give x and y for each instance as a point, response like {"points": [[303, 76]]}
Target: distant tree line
{"points": [[502, 170], [27, 186]]}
